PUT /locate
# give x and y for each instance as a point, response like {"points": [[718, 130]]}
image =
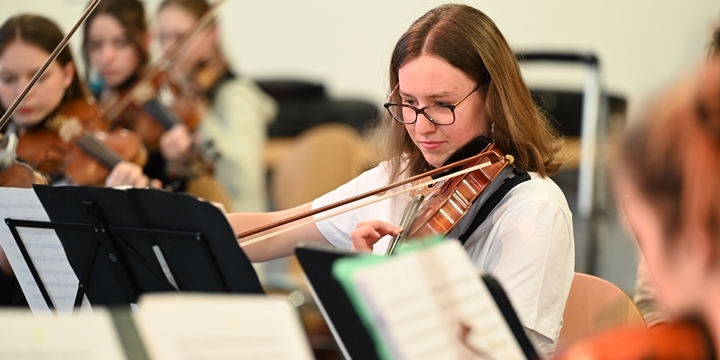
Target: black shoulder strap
{"points": [[493, 201]]}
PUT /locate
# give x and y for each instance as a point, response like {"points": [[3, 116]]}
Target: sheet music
{"points": [[422, 301], [82, 336], [45, 250], [194, 326]]}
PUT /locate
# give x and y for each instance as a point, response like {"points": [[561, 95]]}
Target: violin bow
{"points": [[60, 47], [381, 190], [164, 60], [357, 206]]}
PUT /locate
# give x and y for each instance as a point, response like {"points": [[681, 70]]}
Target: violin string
{"points": [[163, 61], [90, 146], [98, 150], [366, 203], [11, 110]]}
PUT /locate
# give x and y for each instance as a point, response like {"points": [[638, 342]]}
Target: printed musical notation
{"points": [[45, 250], [433, 305]]}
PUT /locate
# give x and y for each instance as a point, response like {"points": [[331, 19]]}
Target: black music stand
{"points": [[123, 243]]}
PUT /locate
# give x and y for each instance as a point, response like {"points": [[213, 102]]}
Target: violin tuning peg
{"points": [[510, 158]]}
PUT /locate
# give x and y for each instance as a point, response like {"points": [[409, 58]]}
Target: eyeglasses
{"points": [[437, 114]]}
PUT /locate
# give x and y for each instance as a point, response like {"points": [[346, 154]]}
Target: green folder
{"points": [[345, 268]]}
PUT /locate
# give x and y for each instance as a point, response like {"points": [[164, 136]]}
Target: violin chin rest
{"points": [[472, 148]]}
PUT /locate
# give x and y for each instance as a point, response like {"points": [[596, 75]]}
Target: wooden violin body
{"points": [[20, 175], [444, 208], [75, 144], [687, 340]]}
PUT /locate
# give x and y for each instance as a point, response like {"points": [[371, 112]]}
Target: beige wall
{"points": [[346, 44]]}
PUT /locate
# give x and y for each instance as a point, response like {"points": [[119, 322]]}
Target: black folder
{"points": [[350, 333]]}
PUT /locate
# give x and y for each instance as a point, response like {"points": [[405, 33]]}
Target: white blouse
{"points": [[234, 133]]}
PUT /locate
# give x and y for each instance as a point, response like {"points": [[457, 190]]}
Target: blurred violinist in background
{"points": [[116, 50], [667, 183], [56, 129], [646, 296], [60, 132], [237, 112]]}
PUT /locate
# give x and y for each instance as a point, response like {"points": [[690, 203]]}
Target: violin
{"points": [[153, 106], [437, 215], [74, 143], [444, 208], [14, 173], [158, 100], [687, 339]]}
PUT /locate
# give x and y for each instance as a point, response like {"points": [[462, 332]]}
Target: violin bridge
{"points": [[67, 128], [425, 191]]}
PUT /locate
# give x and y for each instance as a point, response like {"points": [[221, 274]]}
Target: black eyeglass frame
{"points": [[452, 107]]}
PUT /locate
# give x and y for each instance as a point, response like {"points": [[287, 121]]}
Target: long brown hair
{"points": [[45, 34], [196, 8], [468, 39], [131, 16], [672, 156]]}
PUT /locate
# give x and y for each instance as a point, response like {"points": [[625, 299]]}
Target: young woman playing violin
{"points": [[116, 46], [454, 78], [60, 132], [116, 50], [234, 126], [667, 183], [55, 128]]}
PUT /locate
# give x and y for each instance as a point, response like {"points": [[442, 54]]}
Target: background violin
{"points": [[74, 143], [153, 106], [159, 100]]}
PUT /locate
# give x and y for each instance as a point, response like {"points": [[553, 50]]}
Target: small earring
{"points": [[492, 132]]}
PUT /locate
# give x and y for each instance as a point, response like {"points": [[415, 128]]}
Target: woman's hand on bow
{"points": [[367, 233]]}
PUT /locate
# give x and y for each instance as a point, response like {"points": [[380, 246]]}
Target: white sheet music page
{"points": [[204, 326], [425, 302], [84, 336], [45, 250]]}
